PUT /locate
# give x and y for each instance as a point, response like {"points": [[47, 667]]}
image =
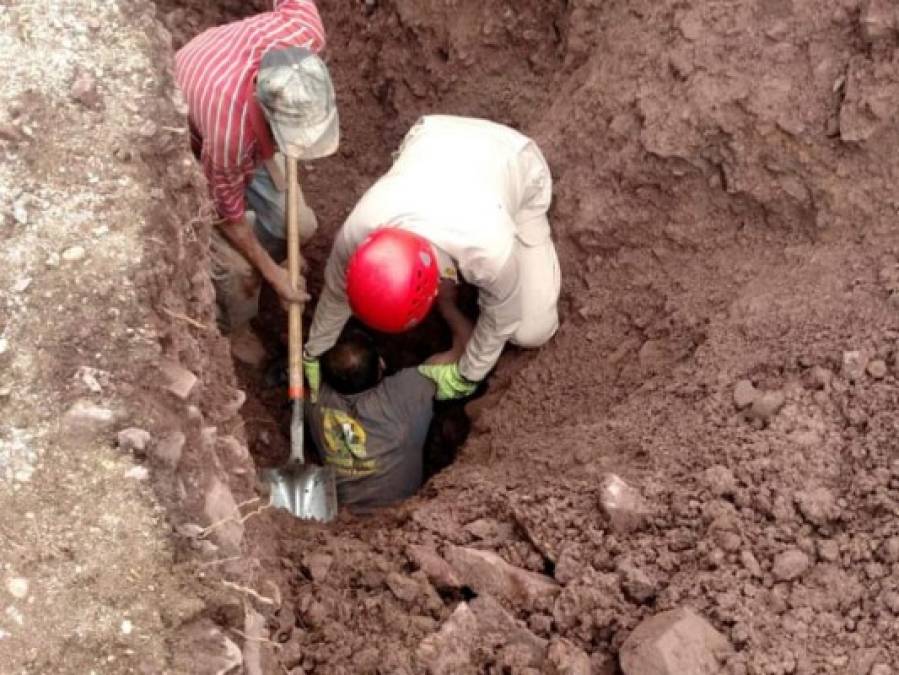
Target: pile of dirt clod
{"points": [[725, 210]]}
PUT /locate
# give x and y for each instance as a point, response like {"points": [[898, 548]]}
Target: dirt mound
{"points": [[725, 209]]}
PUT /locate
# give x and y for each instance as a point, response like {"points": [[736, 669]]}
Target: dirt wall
{"points": [[108, 367]]}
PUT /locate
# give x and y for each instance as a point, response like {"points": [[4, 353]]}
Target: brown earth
{"points": [[725, 211]]}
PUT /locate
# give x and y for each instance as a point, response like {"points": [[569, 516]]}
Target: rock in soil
{"points": [[818, 378], [17, 587], [744, 394], [854, 364], [403, 587], [318, 564], [448, 651], [818, 505], [494, 619], [635, 582], [73, 254], [565, 658], [622, 504], [438, 571], [767, 405], [720, 480], [677, 642], [790, 564], [486, 572], [223, 514], [179, 380], [133, 440], [889, 550], [877, 369], [85, 418], [84, 90]]}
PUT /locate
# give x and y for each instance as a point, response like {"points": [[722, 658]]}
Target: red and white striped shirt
{"points": [[215, 72]]}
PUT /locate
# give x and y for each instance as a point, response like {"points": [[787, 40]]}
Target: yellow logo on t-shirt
{"points": [[345, 444]]}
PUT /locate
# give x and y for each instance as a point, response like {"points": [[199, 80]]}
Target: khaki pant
{"points": [[541, 282], [539, 275], [237, 282]]}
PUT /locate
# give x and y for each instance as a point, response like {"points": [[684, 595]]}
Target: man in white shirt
{"points": [[465, 199]]}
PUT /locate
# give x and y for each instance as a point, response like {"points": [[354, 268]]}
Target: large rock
{"points": [[565, 658], [223, 514], [481, 626], [494, 619], [486, 572], [438, 571], [449, 649], [677, 642]]}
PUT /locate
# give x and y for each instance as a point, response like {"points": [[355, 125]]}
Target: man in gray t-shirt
{"points": [[371, 428]]}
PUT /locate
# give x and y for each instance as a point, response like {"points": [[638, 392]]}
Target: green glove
{"points": [[313, 372], [450, 382]]}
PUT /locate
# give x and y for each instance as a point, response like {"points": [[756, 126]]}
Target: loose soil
{"points": [[725, 211]]}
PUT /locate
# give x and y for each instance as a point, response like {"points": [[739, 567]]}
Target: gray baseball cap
{"points": [[294, 90]]}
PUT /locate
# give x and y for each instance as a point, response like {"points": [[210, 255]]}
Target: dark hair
{"points": [[352, 365]]}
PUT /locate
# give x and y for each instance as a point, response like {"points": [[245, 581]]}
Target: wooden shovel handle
{"points": [[295, 309]]}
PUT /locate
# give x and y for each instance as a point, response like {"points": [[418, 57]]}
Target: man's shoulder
{"points": [[409, 389], [408, 378]]}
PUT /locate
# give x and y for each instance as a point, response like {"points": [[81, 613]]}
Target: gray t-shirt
{"points": [[375, 439]]}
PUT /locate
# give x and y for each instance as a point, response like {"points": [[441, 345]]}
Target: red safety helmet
{"points": [[392, 280]]}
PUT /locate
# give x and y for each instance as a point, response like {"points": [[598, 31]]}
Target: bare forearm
{"points": [[240, 235], [333, 310], [459, 324]]}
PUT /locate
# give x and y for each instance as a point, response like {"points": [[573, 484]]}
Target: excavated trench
{"points": [[709, 236]]}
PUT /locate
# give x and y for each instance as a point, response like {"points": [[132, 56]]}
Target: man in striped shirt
{"points": [[254, 86]]}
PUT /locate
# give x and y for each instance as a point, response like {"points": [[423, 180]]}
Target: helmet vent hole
{"points": [[425, 259]]}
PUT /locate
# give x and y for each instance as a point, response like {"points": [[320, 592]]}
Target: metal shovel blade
{"points": [[308, 492]]}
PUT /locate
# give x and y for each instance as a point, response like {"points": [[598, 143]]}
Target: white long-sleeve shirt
{"points": [[469, 187]]}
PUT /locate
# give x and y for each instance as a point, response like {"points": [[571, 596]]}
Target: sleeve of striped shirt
{"points": [[227, 185]]}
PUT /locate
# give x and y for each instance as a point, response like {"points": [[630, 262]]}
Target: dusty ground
{"points": [[725, 210], [86, 564]]}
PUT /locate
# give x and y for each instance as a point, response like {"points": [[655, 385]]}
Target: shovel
{"points": [[306, 490]]}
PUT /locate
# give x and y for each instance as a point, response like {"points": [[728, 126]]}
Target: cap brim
{"points": [[310, 142]]}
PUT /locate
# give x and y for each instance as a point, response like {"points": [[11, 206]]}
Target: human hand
{"points": [[450, 382], [280, 281]]}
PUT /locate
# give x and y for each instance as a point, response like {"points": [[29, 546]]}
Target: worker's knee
{"points": [[236, 283], [541, 283], [537, 331]]}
